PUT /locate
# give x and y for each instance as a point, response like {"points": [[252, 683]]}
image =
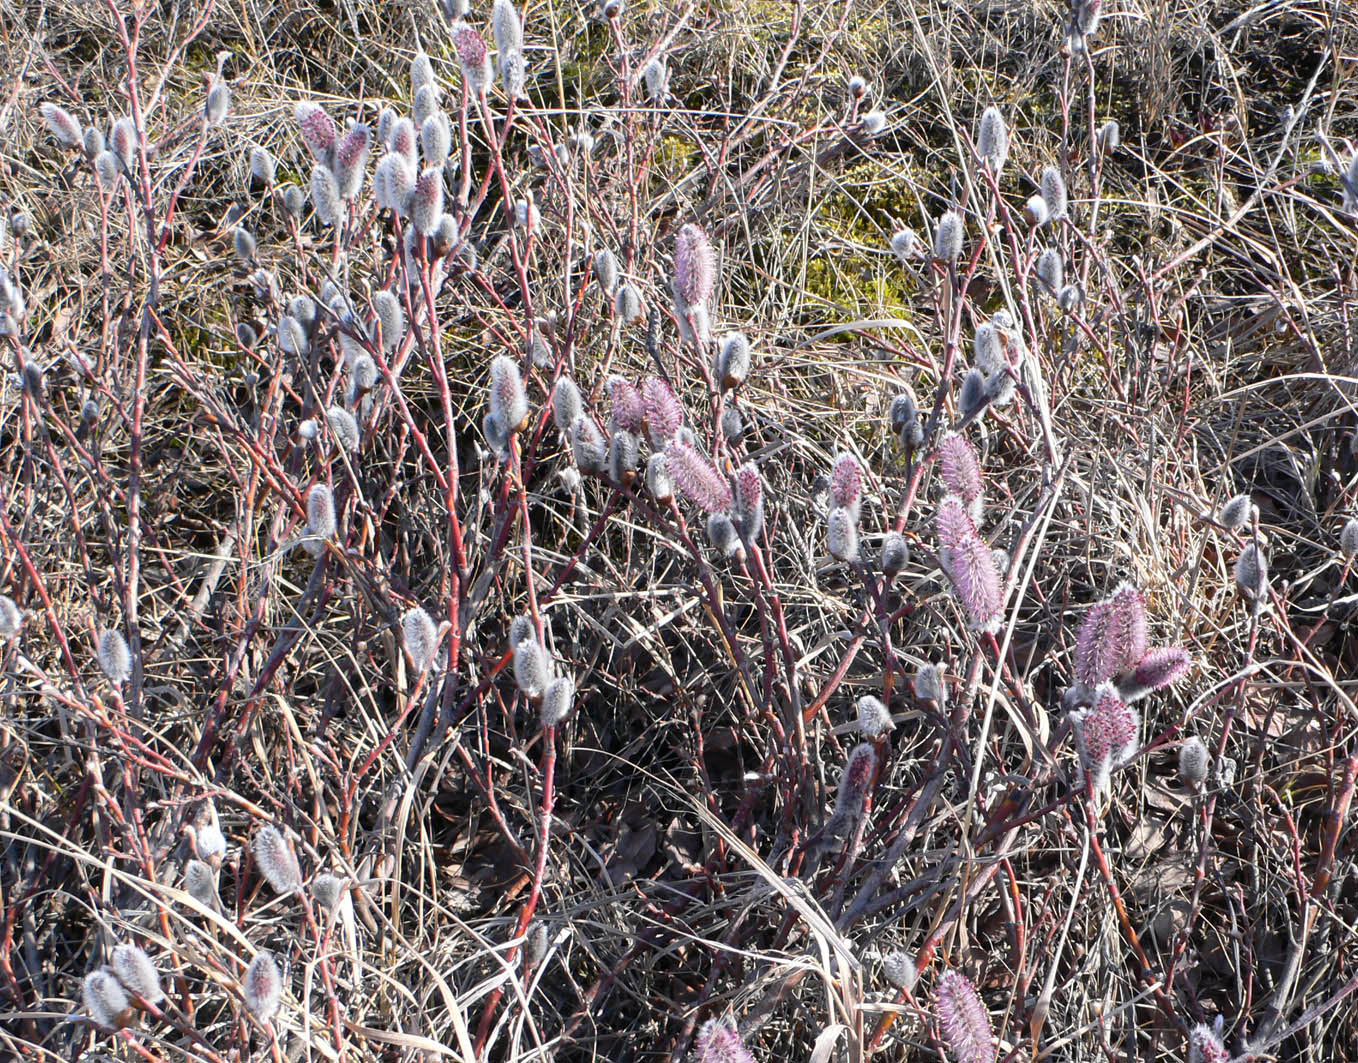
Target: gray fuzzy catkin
{"points": [[532, 670], [320, 511], [1193, 762], [567, 407], [948, 234], [134, 969], [606, 270], [276, 860], [842, 535], [11, 618], [325, 195], [733, 360], [104, 999], [343, 427], [114, 656], [421, 637], [391, 317], [262, 987], [558, 700]]}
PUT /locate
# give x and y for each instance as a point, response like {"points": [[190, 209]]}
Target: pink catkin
{"points": [[718, 1043], [629, 410], [1106, 735], [662, 412], [960, 470], [694, 266], [854, 783], [1204, 1046], [318, 131], [697, 477], [1159, 668], [1130, 626], [952, 522], [964, 1021], [846, 482], [972, 568]]}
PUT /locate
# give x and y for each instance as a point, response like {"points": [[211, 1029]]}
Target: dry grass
{"points": [[672, 836]]}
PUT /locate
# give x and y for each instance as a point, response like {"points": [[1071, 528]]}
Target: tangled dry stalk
{"points": [[396, 703]]}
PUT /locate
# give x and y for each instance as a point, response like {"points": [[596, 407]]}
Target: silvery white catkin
{"points": [[1053, 187], [218, 103], [1050, 269], [93, 143], [115, 658], [567, 407], [325, 890], [948, 237], [302, 309], [497, 435], [508, 400], [905, 245], [11, 618], [657, 77], [842, 535], [243, 245], [1036, 211], [64, 125], [134, 969], [263, 987], [606, 269], [733, 360], [1236, 512], [262, 166], [106, 167], [929, 686], [393, 182], [874, 719], [874, 123], [364, 374], [421, 637], [1251, 572], [1070, 298], [508, 32], [535, 945], [900, 970], [445, 239], [391, 317], [721, 533], [200, 883], [320, 511], [588, 446], [343, 427], [627, 304], [1110, 136], [208, 840], [276, 860], [1348, 539], [122, 139], [293, 200], [325, 195], [1193, 761], [974, 396], [426, 201], [992, 140], [895, 553], [532, 672], [104, 999], [421, 71], [427, 101], [624, 455], [436, 138], [557, 701], [658, 481], [520, 628]]}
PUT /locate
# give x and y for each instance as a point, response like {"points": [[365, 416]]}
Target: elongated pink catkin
{"points": [[697, 477], [964, 1020]]}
